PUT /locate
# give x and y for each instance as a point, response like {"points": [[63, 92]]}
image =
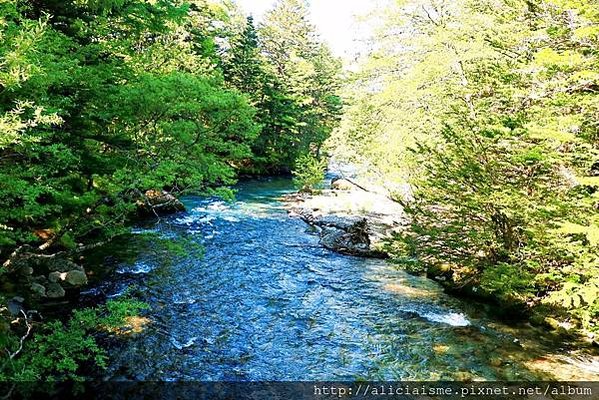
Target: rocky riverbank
{"points": [[356, 220], [351, 219], [35, 276]]}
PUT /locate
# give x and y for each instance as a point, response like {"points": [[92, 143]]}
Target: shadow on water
{"points": [[263, 301]]}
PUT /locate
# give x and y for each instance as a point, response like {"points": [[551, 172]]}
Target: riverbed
{"points": [[254, 297]]}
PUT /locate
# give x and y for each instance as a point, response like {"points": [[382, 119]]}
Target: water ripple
{"points": [[266, 302]]}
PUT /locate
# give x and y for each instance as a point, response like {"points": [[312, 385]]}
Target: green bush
{"points": [[63, 351], [309, 172]]}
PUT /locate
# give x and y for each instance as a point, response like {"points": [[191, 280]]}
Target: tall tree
{"points": [[244, 68], [307, 73]]}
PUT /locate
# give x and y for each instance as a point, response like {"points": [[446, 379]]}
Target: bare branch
{"points": [[23, 338], [428, 14]]}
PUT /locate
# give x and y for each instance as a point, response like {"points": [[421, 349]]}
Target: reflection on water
{"points": [[266, 302]]}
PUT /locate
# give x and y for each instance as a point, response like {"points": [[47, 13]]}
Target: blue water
{"points": [[262, 300]]}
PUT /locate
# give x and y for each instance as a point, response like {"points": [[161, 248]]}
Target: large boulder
{"points": [[76, 278], [38, 290], [348, 238], [54, 290], [343, 234], [62, 265], [345, 223], [344, 242], [155, 202]]}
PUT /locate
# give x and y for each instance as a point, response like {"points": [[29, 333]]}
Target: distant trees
{"points": [[292, 79], [490, 110]]}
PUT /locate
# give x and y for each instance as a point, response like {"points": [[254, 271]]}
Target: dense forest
{"points": [[103, 101], [486, 110], [489, 109]]}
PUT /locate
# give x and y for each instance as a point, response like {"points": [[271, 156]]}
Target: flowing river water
{"points": [[239, 291]]}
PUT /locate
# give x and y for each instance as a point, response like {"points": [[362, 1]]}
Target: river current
{"points": [[239, 291]]}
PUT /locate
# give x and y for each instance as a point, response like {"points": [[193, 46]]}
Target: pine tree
{"points": [[244, 68], [308, 75]]}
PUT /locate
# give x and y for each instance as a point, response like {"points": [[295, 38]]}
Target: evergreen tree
{"points": [[307, 74], [244, 68]]}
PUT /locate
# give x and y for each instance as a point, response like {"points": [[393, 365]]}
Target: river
{"points": [[253, 296]]}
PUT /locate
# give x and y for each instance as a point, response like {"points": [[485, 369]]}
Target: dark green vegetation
{"points": [[490, 110], [59, 350], [103, 100]]}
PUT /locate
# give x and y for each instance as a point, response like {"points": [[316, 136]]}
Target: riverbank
{"points": [[360, 219], [351, 219], [51, 274]]}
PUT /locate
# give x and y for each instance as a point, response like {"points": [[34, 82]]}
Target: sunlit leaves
{"points": [[491, 109]]}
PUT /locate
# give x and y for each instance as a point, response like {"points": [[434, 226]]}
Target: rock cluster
{"points": [[343, 234], [351, 218], [49, 277]]}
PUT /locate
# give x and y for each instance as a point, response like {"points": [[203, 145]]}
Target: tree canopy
{"points": [[102, 101], [488, 109]]}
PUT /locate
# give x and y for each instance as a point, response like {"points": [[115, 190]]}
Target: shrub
{"points": [[61, 351], [309, 172]]}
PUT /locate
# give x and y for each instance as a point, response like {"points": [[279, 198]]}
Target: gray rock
{"points": [[62, 265], [26, 270], [348, 238], [343, 234], [344, 243], [55, 276], [76, 278], [335, 221], [332, 238], [54, 290], [15, 305], [41, 279], [38, 290]]}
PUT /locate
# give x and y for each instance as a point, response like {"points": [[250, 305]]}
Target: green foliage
{"points": [[101, 100], [508, 281], [187, 131], [63, 351], [309, 172], [293, 81], [97, 105], [489, 109]]}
